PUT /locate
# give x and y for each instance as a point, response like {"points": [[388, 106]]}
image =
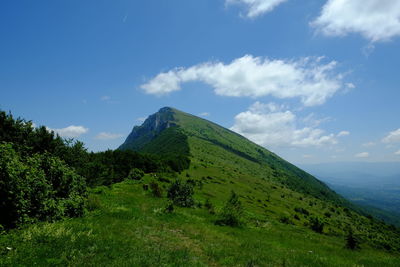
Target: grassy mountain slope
{"points": [[270, 187], [127, 227]]}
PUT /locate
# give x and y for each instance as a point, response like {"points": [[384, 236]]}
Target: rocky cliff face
{"points": [[150, 128]]}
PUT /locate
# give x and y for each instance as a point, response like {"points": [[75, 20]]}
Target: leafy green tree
{"points": [[181, 194], [232, 212]]}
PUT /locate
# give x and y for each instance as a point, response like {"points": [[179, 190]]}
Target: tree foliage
{"points": [[181, 194], [38, 187]]}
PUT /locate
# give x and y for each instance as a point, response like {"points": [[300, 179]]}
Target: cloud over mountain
{"points": [[277, 127], [308, 79]]}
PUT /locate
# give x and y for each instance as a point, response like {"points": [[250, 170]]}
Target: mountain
{"points": [[170, 131], [221, 161]]}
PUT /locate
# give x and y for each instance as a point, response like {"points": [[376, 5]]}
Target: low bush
{"points": [[232, 212], [181, 194], [209, 206], [302, 211], [169, 208], [352, 242], [135, 174], [285, 220], [155, 189], [317, 225]]}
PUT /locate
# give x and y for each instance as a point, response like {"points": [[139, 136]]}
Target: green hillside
{"points": [[269, 187], [287, 217]]}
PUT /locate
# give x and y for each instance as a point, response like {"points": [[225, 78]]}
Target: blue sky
{"points": [[314, 81]]}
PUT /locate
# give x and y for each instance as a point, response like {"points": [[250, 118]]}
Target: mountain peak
{"points": [[151, 127], [166, 109]]}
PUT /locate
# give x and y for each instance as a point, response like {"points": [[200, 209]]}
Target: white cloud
{"points": [[362, 155], [204, 114], [392, 137], [70, 131], [308, 79], [343, 133], [369, 144], [312, 120], [105, 98], [256, 8], [269, 127], [108, 136], [375, 20], [397, 153], [307, 156]]}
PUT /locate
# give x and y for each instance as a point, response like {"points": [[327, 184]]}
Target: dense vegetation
{"points": [[37, 187]]}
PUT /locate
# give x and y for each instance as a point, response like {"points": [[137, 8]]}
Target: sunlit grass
{"points": [[129, 228]]}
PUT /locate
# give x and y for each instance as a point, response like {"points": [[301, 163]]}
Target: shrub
{"points": [[302, 211], [209, 206], [232, 212], [169, 208], [352, 241], [317, 225], [285, 220], [181, 194], [135, 174], [156, 190]]}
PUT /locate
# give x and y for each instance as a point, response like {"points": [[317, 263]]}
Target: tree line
{"points": [[45, 177]]}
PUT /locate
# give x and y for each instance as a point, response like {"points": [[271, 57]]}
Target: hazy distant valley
{"points": [[375, 185]]}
